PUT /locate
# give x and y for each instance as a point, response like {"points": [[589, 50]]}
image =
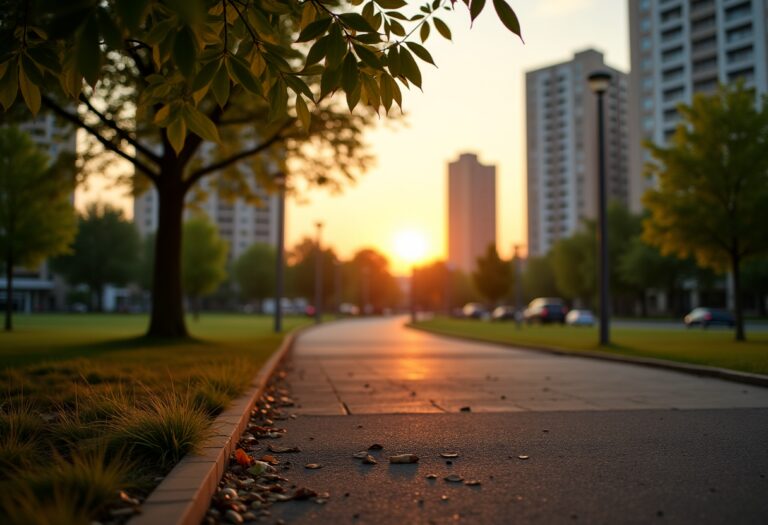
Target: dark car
{"points": [[545, 310], [709, 316], [474, 311], [503, 313]]}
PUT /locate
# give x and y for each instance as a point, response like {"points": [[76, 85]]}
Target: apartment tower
{"points": [[683, 47], [561, 131], [471, 211]]}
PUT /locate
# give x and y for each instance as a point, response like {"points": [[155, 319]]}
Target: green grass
{"points": [[714, 347], [78, 389]]}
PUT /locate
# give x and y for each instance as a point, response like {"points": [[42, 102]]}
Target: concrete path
{"points": [[605, 442]]}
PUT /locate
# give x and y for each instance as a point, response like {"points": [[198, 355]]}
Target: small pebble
{"points": [[233, 516]]}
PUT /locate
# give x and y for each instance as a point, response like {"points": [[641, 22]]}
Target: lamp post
{"points": [[599, 81], [280, 251], [412, 294], [518, 285], [318, 276]]}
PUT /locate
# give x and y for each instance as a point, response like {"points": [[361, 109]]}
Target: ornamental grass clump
{"points": [[161, 430]]}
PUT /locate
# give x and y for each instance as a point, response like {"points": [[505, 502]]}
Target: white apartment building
{"points": [[561, 145], [682, 47]]}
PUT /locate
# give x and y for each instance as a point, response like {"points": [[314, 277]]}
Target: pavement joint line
{"points": [[197, 476], [675, 366]]}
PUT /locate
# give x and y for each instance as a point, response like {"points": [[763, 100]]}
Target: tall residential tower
{"points": [[471, 210], [561, 128]]}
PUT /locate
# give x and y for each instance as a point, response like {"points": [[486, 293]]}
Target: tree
{"points": [[254, 272], [493, 277], [539, 278], [370, 283], [713, 185], [155, 79], [574, 266], [105, 251], [36, 217], [302, 267], [204, 260]]}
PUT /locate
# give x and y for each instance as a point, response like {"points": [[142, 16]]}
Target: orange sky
{"points": [[473, 102]]}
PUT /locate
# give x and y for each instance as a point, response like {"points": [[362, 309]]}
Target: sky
{"points": [[472, 102]]}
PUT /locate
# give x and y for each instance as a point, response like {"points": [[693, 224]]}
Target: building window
{"points": [[704, 64], [741, 54], [672, 14], [647, 104], [746, 74], [703, 23], [738, 11], [672, 54], [671, 34], [738, 34], [645, 5], [704, 43], [670, 75], [673, 94], [645, 24], [645, 43]]}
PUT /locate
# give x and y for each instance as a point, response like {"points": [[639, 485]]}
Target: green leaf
{"points": [[200, 124], [278, 100], [385, 83], [424, 31], [238, 71], [442, 28], [391, 4], [9, 85], [132, 12], [220, 86], [368, 57], [185, 51], [32, 71], [29, 91], [397, 28], [112, 36], [507, 17], [205, 76], [330, 80], [317, 51], [177, 133], [87, 52], [298, 86], [356, 21], [476, 8], [302, 111], [353, 97], [349, 78], [409, 67], [337, 47], [45, 58], [315, 29], [393, 61], [421, 52]]}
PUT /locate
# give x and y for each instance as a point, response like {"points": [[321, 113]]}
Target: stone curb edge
{"points": [[184, 496], [699, 370]]}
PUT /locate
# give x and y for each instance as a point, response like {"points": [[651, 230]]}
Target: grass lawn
{"points": [[714, 347], [89, 407]]}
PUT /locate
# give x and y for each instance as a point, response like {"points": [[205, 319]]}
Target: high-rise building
{"points": [[471, 210], [682, 47], [38, 289], [561, 131]]}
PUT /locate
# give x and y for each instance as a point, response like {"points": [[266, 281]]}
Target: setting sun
{"points": [[410, 246]]}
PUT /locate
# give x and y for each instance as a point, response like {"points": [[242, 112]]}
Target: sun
{"points": [[410, 246]]}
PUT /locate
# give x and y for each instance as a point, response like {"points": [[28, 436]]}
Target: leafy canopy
{"points": [[493, 277], [366, 49], [254, 271], [203, 257]]}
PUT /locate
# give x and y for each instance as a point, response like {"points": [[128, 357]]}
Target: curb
{"points": [[698, 370], [184, 496]]}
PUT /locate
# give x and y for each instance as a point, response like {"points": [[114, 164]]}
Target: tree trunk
{"points": [[9, 288], [737, 298], [167, 316]]}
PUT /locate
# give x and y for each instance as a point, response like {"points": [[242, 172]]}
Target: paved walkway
{"points": [[551, 439], [379, 366]]}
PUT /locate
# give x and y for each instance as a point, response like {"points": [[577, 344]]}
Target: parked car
{"points": [[474, 311], [580, 318], [545, 310], [503, 313], [709, 316]]}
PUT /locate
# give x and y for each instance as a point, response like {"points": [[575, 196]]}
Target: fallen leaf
{"points": [[376, 446], [258, 468], [465, 409], [449, 454], [453, 478], [313, 466], [304, 493], [522, 456], [272, 460], [369, 460], [360, 455], [242, 458], [472, 482], [431, 476], [404, 458], [278, 449]]}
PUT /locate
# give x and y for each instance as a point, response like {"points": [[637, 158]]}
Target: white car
{"points": [[580, 318]]}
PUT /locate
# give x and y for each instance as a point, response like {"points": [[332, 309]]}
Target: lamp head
{"points": [[599, 81]]}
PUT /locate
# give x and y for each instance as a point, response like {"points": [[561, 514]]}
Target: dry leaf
{"points": [[404, 458], [278, 449], [453, 478], [449, 454], [242, 458]]}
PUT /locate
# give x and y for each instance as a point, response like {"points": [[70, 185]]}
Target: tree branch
{"points": [[77, 121], [200, 173], [124, 135]]}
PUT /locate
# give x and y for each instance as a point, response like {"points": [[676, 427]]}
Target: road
{"points": [[552, 439]]}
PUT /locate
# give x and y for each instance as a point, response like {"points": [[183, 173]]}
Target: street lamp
{"points": [[599, 81], [280, 180], [518, 285], [318, 276]]}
